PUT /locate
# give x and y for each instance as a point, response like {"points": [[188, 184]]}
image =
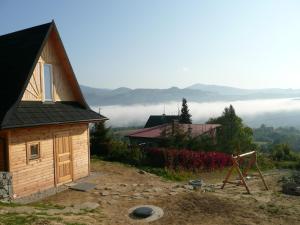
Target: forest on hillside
{"points": [[267, 136]]}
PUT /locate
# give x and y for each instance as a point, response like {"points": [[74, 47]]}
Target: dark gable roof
{"points": [[34, 113], [156, 120], [19, 53]]}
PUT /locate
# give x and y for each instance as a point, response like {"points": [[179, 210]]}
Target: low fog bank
{"points": [[272, 112]]}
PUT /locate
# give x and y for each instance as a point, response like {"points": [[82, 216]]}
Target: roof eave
{"points": [[54, 123]]}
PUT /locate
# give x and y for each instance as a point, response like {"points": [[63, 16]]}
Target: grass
{"points": [[295, 165], [184, 175], [46, 205], [170, 174], [17, 219], [74, 223], [9, 204]]}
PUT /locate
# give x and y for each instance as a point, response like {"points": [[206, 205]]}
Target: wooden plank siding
{"points": [[37, 175], [62, 90]]}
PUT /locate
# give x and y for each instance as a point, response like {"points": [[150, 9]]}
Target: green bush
{"points": [[168, 174], [100, 139], [119, 151], [264, 162], [293, 165]]}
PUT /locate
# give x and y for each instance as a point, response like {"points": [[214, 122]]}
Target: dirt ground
{"points": [[120, 188]]}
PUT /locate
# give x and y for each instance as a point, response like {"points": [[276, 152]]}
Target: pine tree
{"points": [[185, 116], [233, 136], [100, 138]]}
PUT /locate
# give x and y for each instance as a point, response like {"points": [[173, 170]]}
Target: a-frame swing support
{"points": [[242, 174]]}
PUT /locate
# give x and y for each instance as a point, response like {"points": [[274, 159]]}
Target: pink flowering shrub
{"points": [[186, 159]]}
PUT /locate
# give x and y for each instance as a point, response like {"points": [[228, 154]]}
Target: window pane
{"points": [[34, 151], [48, 82]]}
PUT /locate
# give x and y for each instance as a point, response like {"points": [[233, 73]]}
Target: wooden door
{"points": [[63, 151]]}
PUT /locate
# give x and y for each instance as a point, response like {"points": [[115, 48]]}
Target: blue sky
{"points": [[159, 44]]}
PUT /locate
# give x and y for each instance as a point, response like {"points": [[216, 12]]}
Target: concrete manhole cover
{"points": [[142, 212], [145, 213]]}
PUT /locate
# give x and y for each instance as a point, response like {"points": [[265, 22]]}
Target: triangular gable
{"points": [[63, 90], [20, 52]]}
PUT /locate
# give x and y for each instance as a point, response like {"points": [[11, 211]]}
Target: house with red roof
{"points": [[152, 136]]}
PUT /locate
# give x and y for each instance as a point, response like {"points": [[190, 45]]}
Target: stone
{"points": [[107, 188], [123, 185], [173, 193], [87, 206], [137, 194], [149, 197], [196, 183], [177, 186], [188, 187], [104, 193], [142, 172], [134, 185], [142, 212], [101, 201], [111, 202], [83, 186], [291, 188], [5, 186], [157, 189], [124, 196]]}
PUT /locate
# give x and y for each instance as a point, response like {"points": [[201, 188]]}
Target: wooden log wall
{"points": [[37, 175]]}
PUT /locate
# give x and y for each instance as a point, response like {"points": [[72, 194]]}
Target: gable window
{"points": [[48, 82], [33, 151]]}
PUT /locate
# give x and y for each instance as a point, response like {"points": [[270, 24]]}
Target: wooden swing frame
{"points": [[242, 174]]}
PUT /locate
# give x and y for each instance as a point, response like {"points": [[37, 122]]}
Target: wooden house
{"points": [[155, 120], [155, 136], [44, 118]]}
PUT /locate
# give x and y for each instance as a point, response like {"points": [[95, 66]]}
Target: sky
{"points": [[164, 43]]}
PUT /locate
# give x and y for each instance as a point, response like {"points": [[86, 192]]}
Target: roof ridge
{"points": [[148, 128], [26, 29]]}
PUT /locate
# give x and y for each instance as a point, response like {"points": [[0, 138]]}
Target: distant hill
{"points": [[223, 90], [196, 92]]}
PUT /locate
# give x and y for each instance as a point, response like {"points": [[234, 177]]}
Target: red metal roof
{"points": [[155, 132]]}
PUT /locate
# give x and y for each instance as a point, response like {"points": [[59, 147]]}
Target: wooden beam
{"points": [[245, 154], [242, 174]]}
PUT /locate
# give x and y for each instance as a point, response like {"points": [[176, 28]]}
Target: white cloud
{"points": [[138, 114]]}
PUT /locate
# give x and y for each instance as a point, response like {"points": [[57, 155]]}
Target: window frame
{"points": [[44, 83], [28, 151]]}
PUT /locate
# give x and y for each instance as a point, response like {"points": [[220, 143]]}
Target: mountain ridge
{"points": [[197, 92]]}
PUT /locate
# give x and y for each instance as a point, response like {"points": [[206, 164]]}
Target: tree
{"points": [[185, 116], [173, 136], [233, 136], [101, 139], [281, 152]]}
